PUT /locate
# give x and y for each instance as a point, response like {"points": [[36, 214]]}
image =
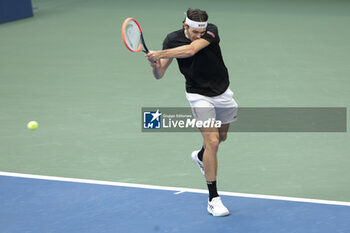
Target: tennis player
{"points": [[196, 48]]}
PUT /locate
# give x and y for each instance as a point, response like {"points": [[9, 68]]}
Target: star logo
{"points": [[156, 115]]}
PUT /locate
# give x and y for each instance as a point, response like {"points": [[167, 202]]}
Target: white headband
{"points": [[195, 24]]}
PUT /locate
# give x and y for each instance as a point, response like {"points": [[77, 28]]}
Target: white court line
{"points": [[179, 192], [178, 189]]}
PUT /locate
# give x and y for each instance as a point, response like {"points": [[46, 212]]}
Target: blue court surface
{"points": [[44, 205]]}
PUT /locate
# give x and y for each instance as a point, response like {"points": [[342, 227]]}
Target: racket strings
{"points": [[132, 35]]}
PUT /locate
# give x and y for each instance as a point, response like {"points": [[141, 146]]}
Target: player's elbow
{"points": [[158, 76]]}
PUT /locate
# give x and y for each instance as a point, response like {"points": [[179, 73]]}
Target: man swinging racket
{"points": [[196, 48]]}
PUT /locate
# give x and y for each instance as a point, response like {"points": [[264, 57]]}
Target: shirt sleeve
{"points": [[211, 35], [166, 43]]}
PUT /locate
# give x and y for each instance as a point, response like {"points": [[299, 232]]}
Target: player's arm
{"points": [[181, 51], [159, 66]]}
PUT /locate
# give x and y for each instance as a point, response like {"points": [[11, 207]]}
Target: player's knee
{"points": [[212, 143]]}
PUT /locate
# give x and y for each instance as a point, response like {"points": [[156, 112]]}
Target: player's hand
{"points": [[155, 63], [153, 55]]}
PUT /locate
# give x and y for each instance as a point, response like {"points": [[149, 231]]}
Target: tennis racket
{"points": [[132, 36]]}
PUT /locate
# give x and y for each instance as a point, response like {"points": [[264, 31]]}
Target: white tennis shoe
{"points": [[216, 208], [196, 160]]}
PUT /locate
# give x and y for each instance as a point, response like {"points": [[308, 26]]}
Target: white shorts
{"points": [[222, 107]]}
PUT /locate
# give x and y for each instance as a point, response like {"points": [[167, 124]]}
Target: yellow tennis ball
{"points": [[32, 125]]}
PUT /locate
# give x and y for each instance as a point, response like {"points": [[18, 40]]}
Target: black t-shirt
{"points": [[205, 72]]}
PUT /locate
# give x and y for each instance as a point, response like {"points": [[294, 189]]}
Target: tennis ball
{"points": [[32, 125]]}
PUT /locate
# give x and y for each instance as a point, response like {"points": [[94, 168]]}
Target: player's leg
{"points": [[203, 109], [226, 112]]}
